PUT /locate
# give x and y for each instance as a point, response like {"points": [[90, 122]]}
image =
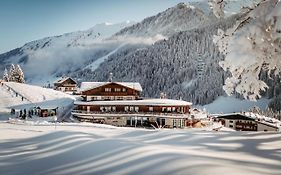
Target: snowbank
{"points": [[93, 150]]}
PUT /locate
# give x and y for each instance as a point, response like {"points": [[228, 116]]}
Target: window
{"points": [[169, 109], [124, 89], [102, 109], [126, 108], [131, 108], [150, 109], [231, 126], [107, 89], [108, 108], [230, 121], [173, 109], [117, 90], [113, 108], [174, 123], [137, 109], [164, 109]]}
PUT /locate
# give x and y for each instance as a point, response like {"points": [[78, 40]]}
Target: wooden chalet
{"points": [[241, 122], [120, 103], [65, 84]]}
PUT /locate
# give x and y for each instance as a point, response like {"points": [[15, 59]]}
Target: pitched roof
{"points": [[91, 85], [268, 124], [63, 79], [235, 116]]}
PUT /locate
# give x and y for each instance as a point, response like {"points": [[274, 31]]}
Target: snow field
{"points": [[110, 150]]}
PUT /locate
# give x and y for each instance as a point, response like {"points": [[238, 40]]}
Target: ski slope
{"points": [[100, 149], [24, 96], [8, 98]]}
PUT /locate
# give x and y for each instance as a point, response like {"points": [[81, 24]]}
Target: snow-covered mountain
{"points": [[182, 17], [171, 65], [43, 60], [184, 34], [58, 55]]}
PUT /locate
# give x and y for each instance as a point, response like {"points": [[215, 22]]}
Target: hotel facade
{"points": [[120, 104]]}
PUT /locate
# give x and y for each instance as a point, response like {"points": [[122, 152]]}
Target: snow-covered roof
{"points": [[148, 102], [91, 85], [62, 79]]}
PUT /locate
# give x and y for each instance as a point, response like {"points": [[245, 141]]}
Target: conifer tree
{"points": [[19, 74], [6, 75], [11, 73]]}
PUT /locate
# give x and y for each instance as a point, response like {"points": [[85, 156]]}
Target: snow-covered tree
{"points": [[16, 74], [218, 7], [252, 45], [11, 73], [19, 74], [6, 75]]}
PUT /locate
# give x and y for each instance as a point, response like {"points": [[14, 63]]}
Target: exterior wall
{"points": [[263, 127], [101, 91], [174, 123], [229, 123], [67, 86], [102, 98], [241, 125], [116, 121], [246, 125], [66, 89]]}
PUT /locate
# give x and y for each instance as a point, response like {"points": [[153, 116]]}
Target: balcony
{"points": [[80, 113]]}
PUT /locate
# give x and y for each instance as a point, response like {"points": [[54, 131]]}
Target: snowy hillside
{"points": [[231, 6], [8, 99], [23, 96], [175, 19], [53, 56], [94, 149], [43, 60], [36, 94], [161, 52], [170, 66]]}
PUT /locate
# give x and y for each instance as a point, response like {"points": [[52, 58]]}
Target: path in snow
{"points": [[92, 150], [7, 100]]}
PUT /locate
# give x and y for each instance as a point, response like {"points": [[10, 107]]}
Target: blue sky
{"points": [[22, 21]]}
